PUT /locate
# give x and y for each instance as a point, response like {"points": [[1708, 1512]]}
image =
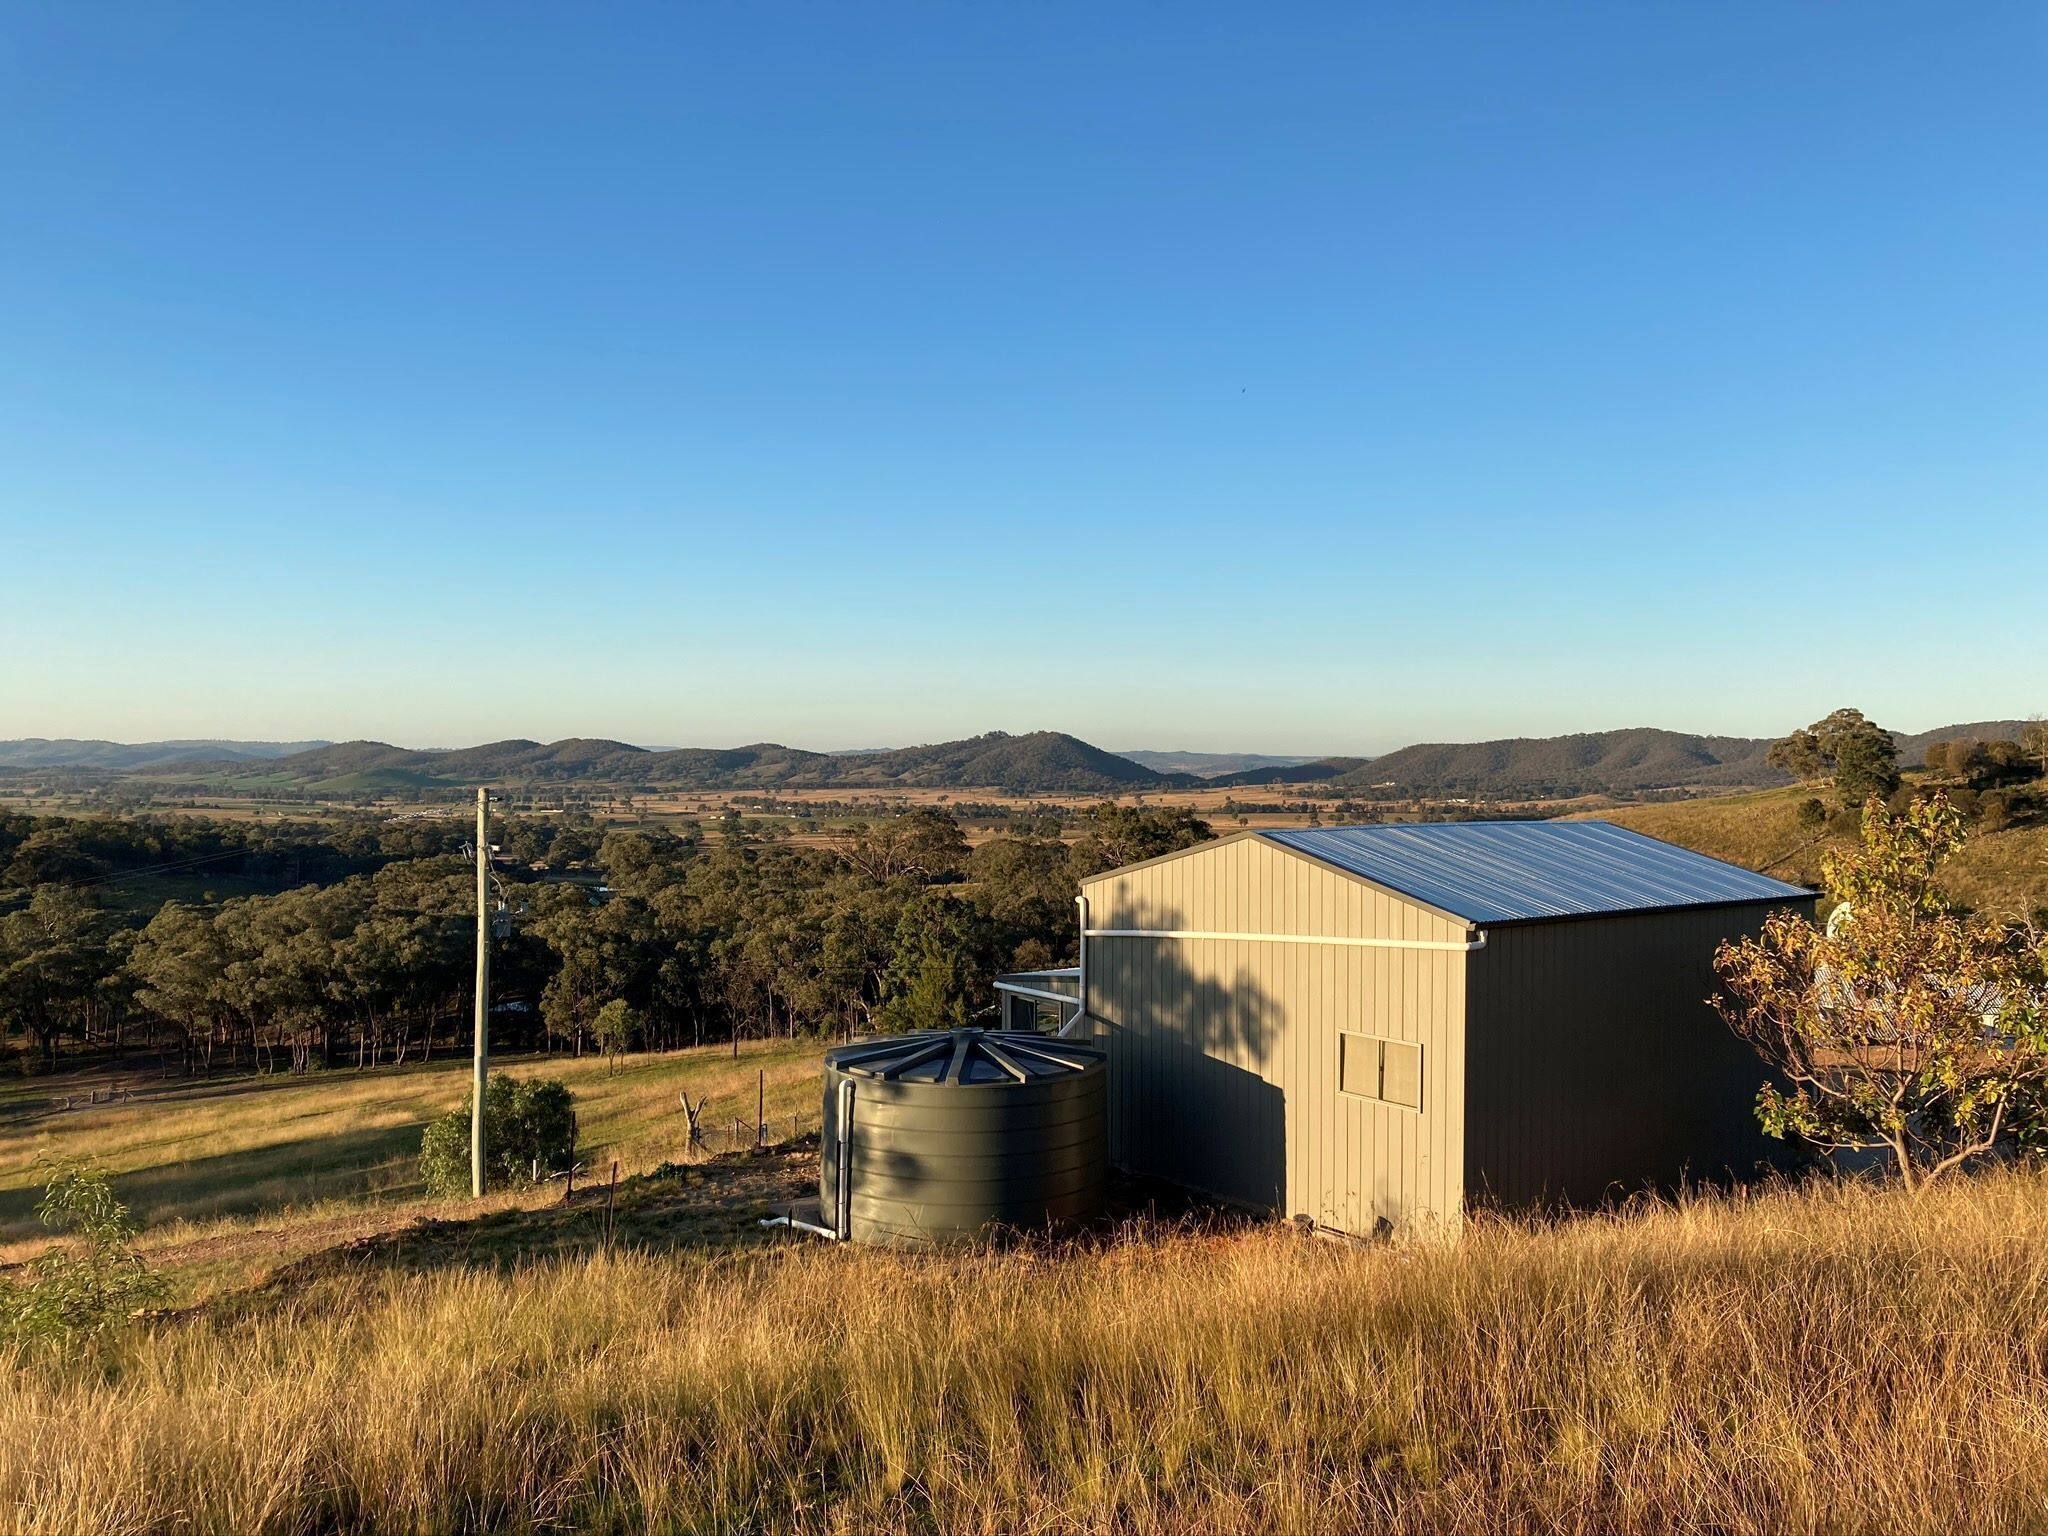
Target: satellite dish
{"points": [[1840, 919]]}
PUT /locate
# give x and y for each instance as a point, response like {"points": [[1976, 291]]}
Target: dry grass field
{"points": [[230, 1178], [1836, 1359], [2000, 872]]}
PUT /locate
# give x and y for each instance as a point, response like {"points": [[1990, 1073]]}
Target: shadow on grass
{"points": [[716, 1205], [252, 1181]]}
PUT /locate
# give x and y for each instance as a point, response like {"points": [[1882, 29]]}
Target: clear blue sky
{"points": [[1265, 377]]}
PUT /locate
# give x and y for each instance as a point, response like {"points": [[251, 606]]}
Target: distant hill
{"points": [[1037, 761], [38, 752], [1589, 763], [1615, 762], [1602, 762], [1211, 765]]}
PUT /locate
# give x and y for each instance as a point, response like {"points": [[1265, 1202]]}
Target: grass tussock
{"points": [[1837, 1359]]}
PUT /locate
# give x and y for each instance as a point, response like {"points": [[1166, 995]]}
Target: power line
{"points": [[134, 874]]}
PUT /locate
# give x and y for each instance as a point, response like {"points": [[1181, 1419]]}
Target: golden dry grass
{"points": [[2004, 873], [1840, 1359]]}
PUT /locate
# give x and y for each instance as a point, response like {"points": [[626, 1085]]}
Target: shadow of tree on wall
{"points": [[1189, 1051]]}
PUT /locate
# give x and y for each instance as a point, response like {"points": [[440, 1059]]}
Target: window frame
{"points": [[1380, 1043]]}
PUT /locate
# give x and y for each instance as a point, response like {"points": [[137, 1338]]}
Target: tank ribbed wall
{"points": [[955, 1133]]}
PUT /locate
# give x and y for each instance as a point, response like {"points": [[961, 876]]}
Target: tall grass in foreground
{"points": [[1833, 1360]]}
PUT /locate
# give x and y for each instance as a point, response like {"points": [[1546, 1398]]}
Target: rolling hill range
{"points": [[1037, 761], [1590, 763], [1597, 762], [1594, 762], [39, 752]]}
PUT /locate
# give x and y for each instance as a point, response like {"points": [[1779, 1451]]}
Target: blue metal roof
{"points": [[1522, 871]]}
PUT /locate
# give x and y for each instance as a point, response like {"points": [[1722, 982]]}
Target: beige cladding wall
{"points": [[1224, 1062]]}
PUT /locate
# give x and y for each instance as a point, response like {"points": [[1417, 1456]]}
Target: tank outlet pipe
{"points": [[801, 1226], [842, 1219]]}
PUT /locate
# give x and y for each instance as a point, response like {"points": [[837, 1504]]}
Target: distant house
{"points": [[1367, 1025]]}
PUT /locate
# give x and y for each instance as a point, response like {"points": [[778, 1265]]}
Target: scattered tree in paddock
{"points": [[615, 1027], [1858, 754]]}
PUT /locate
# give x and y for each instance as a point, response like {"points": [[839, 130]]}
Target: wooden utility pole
{"points": [[482, 1069]]}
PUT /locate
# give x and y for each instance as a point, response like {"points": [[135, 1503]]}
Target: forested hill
{"points": [[1594, 762], [1590, 763], [42, 752], [1039, 760]]}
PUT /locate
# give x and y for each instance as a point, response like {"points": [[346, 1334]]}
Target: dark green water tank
{"points": [[953, 1132]]}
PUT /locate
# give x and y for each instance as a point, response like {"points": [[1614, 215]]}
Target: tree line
{"points": [[370, 960]]}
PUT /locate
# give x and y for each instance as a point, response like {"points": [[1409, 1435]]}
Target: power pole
{"points": [[482, 1070]]}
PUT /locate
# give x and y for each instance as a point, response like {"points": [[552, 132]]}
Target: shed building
{"points": [[1379, 1025]]}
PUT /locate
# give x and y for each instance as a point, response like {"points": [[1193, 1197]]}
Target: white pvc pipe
{"points": [[843, 1217], [1081, 961]]}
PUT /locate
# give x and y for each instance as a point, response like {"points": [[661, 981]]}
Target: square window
{"points": [[1389, 1071]]}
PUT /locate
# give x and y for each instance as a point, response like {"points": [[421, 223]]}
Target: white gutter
{"points": [[1464, 946]]}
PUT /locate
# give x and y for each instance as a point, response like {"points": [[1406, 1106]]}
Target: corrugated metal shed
{"points": [[1527, 871]]}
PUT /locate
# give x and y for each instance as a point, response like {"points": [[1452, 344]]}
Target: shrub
{"points": [[1904, 1025], [529, 1125], [91, 1287], [1813, 813]]}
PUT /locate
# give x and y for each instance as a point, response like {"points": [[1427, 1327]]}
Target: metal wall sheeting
{"points": [[1523, 871], [1596, 1065], [1224, 1051]]}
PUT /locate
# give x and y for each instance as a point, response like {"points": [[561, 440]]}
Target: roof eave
{"points": [[1790, 898]]}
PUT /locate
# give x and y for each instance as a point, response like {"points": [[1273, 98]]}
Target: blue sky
{"points": [[1289, 378]]}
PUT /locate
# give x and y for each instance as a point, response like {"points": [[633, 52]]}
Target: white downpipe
{"points": [[1080, 967], [1460, 946], [1081, 963], [842, 1219]]}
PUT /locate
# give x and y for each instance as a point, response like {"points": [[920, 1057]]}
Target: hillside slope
{"points": [[1998, 872]]}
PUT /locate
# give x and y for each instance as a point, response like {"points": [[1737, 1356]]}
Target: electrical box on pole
{"points": [[482, 1068]]}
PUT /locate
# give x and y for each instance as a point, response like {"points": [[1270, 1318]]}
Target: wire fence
{"points": [[741, 1135]]}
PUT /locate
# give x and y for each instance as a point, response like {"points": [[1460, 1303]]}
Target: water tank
{"points": [[952, 1132]]}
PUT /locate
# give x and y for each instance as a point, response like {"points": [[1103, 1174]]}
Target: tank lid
{"points": [[966, 1056]]}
